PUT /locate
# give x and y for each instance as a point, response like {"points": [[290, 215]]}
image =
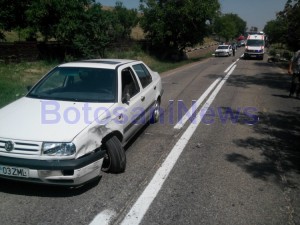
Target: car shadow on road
{"points": [[281, 96], [42, 190], [278, 144], [270, 80]]}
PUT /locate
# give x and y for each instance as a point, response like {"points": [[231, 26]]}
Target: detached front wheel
{"points": [[115, 157]]}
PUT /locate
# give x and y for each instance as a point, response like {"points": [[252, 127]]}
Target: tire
{"points": [[115, 157], [155, 113]]}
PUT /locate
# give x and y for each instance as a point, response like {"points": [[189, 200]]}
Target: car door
{"points": [[149, 88], [132, 103]]}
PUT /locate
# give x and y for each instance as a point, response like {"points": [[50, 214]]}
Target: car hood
{"points": [[47, 120]]}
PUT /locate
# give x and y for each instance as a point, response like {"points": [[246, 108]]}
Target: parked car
{"points": [[76, 120], [223, 50]]}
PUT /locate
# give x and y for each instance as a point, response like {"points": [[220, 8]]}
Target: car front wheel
{"points": [[115, 157]]}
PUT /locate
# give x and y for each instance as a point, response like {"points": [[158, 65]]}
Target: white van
{"points": [[255, 46]]}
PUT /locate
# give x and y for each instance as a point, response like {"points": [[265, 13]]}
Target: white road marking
{"points": [[196, 105], [141, 206], [104, 218], [229, 67]]}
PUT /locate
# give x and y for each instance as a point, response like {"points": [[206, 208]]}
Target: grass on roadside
{"points": [[14, 78]]}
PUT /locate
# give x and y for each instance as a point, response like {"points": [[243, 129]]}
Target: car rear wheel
{"points": [[115, 157], [156, 112]]}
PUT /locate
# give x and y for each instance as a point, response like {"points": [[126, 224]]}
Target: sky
{"points": [[255, 12]]}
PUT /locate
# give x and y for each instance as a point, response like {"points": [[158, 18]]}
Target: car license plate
{"points": [[14, 171]]}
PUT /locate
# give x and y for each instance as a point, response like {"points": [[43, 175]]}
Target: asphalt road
{"points": [[218, 170]]}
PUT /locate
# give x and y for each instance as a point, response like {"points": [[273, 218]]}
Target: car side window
{"points": [[129, 83], [143, 74]]}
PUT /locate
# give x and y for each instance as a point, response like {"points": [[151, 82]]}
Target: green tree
{"points": [[229, 26], [276, 30], [81, 24], [58, 19], [291, 14], [239, 23], [225, 28], [173, 25], [96, 32], [12, 15], [126, 19]]}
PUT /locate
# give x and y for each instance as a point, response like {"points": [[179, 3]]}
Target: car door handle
{"points": [[143, 98], [154, 87]]}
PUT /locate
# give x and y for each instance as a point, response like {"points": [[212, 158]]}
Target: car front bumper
{"points": [[59, 172], [253, 54], [221, 53]]}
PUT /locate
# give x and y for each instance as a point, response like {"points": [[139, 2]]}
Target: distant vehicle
{"points": [[255, 46], [223, 50], [241, 43], [76, 120]]}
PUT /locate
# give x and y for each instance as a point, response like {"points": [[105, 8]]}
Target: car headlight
{"points": [[58, 149]]}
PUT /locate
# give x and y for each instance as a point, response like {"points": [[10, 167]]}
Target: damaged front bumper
{"points": [[70, 172]]}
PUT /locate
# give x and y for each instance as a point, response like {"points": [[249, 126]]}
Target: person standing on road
{"points": [[294, 68], [233, 49]]}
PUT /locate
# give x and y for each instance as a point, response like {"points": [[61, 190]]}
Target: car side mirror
{"points": [[126, 98]]}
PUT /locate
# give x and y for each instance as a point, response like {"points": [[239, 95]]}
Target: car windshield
{"points": [[77, 84], [255, 42], [223, 47]]}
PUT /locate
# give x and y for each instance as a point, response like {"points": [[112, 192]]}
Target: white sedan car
{"points": [[223, 50], [76, 120]]}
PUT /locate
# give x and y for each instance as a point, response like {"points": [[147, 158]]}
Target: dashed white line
{"points": [[141, 206]]}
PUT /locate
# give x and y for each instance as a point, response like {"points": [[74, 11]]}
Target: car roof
{"points": [[99, 63], [223, 45]]}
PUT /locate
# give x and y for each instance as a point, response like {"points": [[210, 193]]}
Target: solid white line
{"points": [[232, 64], [104, 218], [196, 105], [229, 67], [141, 206]]}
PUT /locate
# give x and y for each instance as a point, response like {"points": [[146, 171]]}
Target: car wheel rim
{"points": [[156, 112]]}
